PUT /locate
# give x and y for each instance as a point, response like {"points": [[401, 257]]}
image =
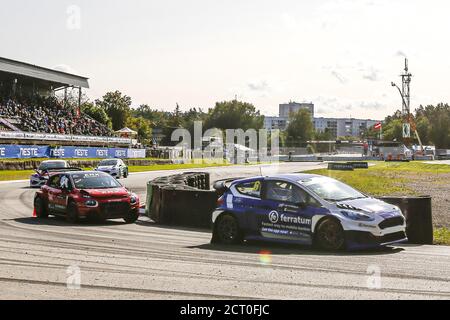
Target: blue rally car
{"points": [[304, 209]]}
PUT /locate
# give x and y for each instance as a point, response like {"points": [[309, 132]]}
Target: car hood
{"points": [[369, 205], [106, 193]]}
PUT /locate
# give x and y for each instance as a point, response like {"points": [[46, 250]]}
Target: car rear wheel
{"points": [[39, 206], [72, 213], [330, 235], [132, 217], [227, 230], [125, 173]]}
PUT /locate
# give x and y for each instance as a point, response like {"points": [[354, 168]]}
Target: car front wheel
{"points": [[227, 230], [72, 213], [330, 235], [132, 217], [39, 206]]}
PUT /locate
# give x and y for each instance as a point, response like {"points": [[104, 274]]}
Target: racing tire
{"points": [[227, 231], [41, 210], [125, 174], [72, 213], [330, 235], [132, 217]]}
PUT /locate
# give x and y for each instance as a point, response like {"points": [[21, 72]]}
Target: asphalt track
{"points": [[146, 261]]}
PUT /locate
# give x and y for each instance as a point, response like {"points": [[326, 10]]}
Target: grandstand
{"points": [[31, 113]]}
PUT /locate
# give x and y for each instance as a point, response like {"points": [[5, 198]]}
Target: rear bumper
{"points": [[363, 240]]}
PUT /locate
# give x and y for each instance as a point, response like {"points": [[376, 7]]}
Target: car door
{"points": [[53, 191], [286, 212], [64, 189]]}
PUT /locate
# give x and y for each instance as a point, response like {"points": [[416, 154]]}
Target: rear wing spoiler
{"points": [[223, 185]]}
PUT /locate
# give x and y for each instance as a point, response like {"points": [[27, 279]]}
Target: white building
{"points": [[287, 108], [339, 127]]}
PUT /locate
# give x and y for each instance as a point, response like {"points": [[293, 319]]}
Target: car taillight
{"points": [[221, 201]]}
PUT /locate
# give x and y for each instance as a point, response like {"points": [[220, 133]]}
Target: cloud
{"points": [[400, 53], [65, 68], [261, 85], [339, 77], [371, 74]]}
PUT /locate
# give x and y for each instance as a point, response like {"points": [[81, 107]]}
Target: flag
{"points": [[378, 126]]}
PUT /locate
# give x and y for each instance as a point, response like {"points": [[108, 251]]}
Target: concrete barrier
{"points": [[340, 166]]}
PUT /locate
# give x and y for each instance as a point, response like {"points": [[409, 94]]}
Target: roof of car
{"points": [[88, 172], [294, 177]]}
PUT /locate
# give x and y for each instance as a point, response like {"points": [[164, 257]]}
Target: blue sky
{"points": [[339, 54]]}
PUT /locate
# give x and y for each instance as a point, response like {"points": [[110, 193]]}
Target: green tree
{"points": [[393, 130], [234, 115], [97, 113], [325, 135], [300, 128], [439, 118], [117, 107], [143, 127], [423, 126]]}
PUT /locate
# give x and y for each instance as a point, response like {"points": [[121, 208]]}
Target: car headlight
{"points": [[358, 216], [91, 203], [133, 199]]}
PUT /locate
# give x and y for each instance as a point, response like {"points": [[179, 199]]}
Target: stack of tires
{"points": [[181, 200]]}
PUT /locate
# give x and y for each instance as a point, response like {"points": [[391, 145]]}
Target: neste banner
{"points": [[28, 152]]}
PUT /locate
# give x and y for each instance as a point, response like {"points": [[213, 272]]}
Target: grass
{"points": [[442, 236], [9, 175], [374, 181]]}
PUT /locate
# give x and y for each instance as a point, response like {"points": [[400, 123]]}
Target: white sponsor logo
{"points": [[2, 152], [29, 152], [81, 152], [274, 217]]}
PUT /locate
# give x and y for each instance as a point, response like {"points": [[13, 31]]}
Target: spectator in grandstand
{"points": [[47, 115]]}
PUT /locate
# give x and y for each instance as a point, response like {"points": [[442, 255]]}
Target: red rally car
{"points": [[86, 194]]}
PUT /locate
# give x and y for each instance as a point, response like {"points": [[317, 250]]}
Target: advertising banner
{"points": [[27, 152]]}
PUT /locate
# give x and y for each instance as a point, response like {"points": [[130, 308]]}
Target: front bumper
{"points": [[109, 210], [363, 240], [377, 233], [111, 172]]}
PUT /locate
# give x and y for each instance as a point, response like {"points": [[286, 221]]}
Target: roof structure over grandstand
{"points": [[57, 79]]}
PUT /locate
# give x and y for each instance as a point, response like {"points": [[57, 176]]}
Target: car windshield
{"points": [[108, 163], [331, 190], [95, 181], [53, 165]]}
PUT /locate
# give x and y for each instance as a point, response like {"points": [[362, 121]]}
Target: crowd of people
{"points": [[48, 115]]}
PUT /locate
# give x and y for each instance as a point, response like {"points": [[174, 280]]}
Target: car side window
{"points": [[54, 182], [251, 189], [286, 192]]}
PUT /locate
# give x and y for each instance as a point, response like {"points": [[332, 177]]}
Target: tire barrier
{"points": [[340, 166], [181, 200], [359, 165], [419, 217]]}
